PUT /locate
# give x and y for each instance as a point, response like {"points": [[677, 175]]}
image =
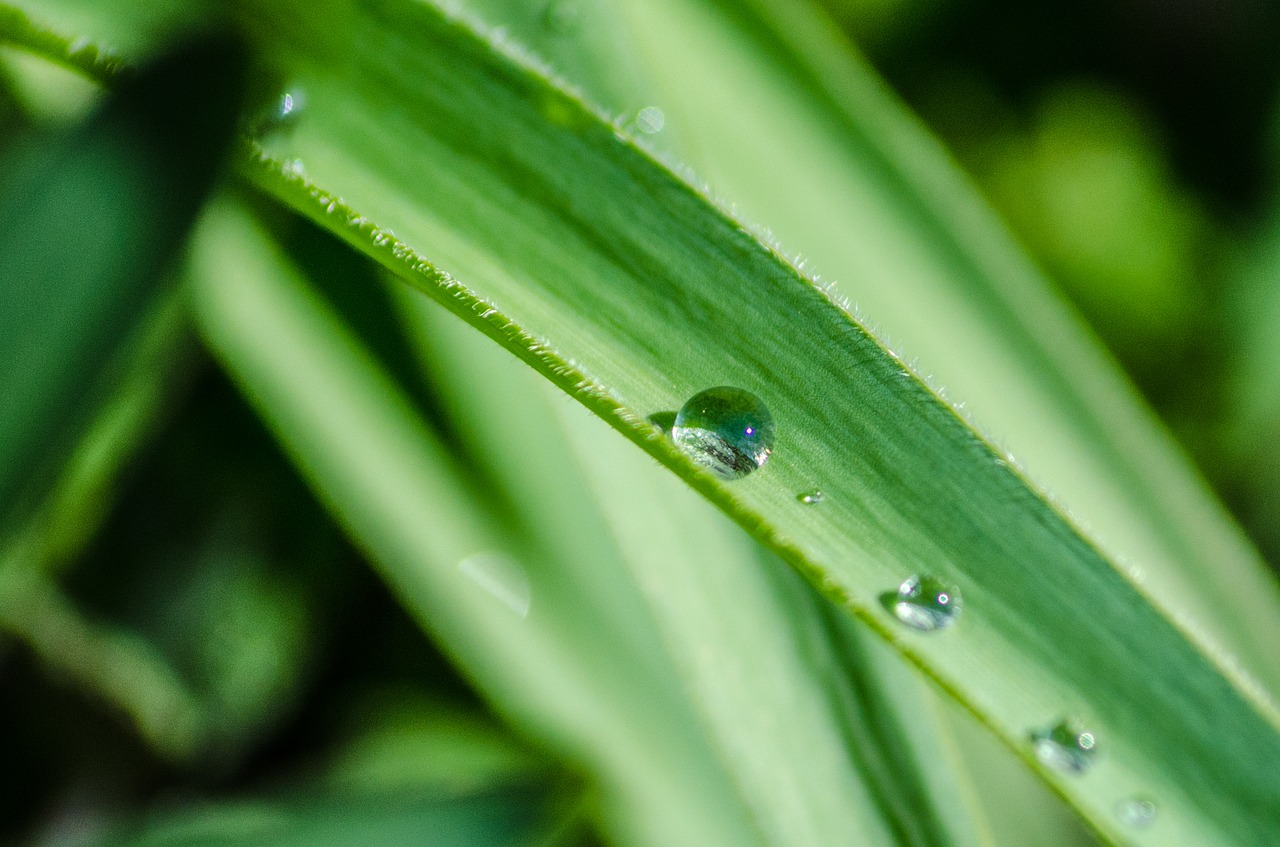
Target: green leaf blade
{"points": [[74, 285]]}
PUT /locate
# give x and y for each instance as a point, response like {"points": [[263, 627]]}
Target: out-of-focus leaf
{"points": [[511, 818], [89, 221], [430, 746]]}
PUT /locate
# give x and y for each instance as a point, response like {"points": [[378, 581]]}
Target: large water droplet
{"points": [[1137, 812], [927, 603], [650, 120], [1065, 746], [810, 498], [726, 430], [502, 578]]}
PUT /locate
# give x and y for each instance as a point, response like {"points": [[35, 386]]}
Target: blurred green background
{"points": [[1132, 147]]}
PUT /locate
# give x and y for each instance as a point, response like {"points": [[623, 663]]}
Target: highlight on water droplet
{"points": [[726, 430], [561, 16], [281, 115], [1066, 746], [650, 120], [502, 578], [1136, 812], [811, 498], [926, 603]]}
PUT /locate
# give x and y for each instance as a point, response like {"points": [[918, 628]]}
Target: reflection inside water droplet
{"points": [[650, 120], [1065, 746], [1136, 812], [502, 578], [726, 430], [810, 498], [926, 603]]}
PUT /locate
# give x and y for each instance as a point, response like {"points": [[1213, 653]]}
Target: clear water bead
{"points": [[811, 498], [651, 120], [1136, 812], [726, 430], [281, 115], [927, 603], [1065, 746]]}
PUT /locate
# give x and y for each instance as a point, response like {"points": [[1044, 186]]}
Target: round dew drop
{"points": [[1065, 746], [650, 120], [726, 430], [927, 603], [281, 116], [811, 498]]}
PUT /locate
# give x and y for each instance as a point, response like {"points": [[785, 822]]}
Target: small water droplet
{"points": [[1137, 812], [1065, 746], [811, 498], [281, 115], [562, 16], [650, 120], [502, 578], [726, 430], [926, 603]]}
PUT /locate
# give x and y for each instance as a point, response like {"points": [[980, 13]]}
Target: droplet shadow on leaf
{"points": [[664, 421]]}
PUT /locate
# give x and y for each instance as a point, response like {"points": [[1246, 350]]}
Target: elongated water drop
{"points": [[1065, 746], [1137, 812], [810, 498], [927, 603], [726, 430]]}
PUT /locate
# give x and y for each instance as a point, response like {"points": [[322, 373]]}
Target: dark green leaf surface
{"points": [[500, 819], [88, 222]]}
